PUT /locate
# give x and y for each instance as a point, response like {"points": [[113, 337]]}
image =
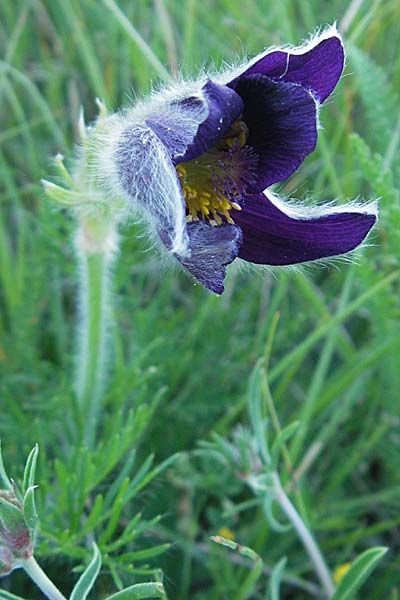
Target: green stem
{"points": [[96, 254], [37, 575], [305, 536]]}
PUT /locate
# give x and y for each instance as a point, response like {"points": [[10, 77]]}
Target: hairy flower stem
{"points": [[305, 536], [37, 575], [95, 243]]}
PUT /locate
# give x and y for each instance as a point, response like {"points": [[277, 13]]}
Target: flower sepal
{"points": [[72, 194], [14, 531], [18, 517], [76, 189], [6, 561], [80, 191]]}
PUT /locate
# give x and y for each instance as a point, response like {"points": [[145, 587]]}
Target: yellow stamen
{"points": [[205, 199]]}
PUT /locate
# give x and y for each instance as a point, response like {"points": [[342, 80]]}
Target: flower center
{"points": [[215, 181]]}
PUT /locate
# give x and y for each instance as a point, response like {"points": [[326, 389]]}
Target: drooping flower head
{"points": [[197, 160]]}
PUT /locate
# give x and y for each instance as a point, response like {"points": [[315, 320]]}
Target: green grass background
{"points": [[182, 357]]}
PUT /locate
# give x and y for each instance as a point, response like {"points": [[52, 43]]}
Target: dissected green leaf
{"points": [[257, 411], [29, 508], [358, 572], [139, 591], [373, 169], [3, 475], [88, 577], [30, 468], [275, 580], [378, 97], [268, 506], [281, 438], [232, 545], [8, 596], [11, 516], [247, 587], [95, 514], [145, 553]]}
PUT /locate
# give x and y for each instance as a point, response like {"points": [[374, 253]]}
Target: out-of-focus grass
{"points": [[335, 362]]}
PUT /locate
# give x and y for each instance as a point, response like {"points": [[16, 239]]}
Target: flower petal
{"points": [[278, 234], [316, 66], [176, 121], [282, 122], [224, 105], [212, 249], [190, 126], [148, 178]]}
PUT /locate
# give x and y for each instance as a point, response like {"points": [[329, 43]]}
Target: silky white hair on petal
{"points": [[246, 268], [295, 210], [131, 164], [306, 46], [136, 169], [300, 211], [164, 99]]}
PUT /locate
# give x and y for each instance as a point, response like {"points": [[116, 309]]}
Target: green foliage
{"points": [[377, 96], [86, 580], [181, 359], [358, 572], [247, 587], [8, 596], [275, 580], [30, 469], [139, 591], [18, 516], [381, 178], [5, 480]]}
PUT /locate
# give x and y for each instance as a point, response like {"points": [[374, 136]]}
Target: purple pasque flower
{"points": [[196, 161]]}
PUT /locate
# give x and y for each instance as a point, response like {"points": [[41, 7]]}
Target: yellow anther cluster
{"points": [[204, 200]]}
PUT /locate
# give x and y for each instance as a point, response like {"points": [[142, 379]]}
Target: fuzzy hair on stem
{"points": [[95, 257]]}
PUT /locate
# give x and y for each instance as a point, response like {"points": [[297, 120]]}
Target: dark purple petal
{"points": [[282, 122], [176, 122], [272, 237], [224, 106], [317, 68], [172, 126], [212, 249]]}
